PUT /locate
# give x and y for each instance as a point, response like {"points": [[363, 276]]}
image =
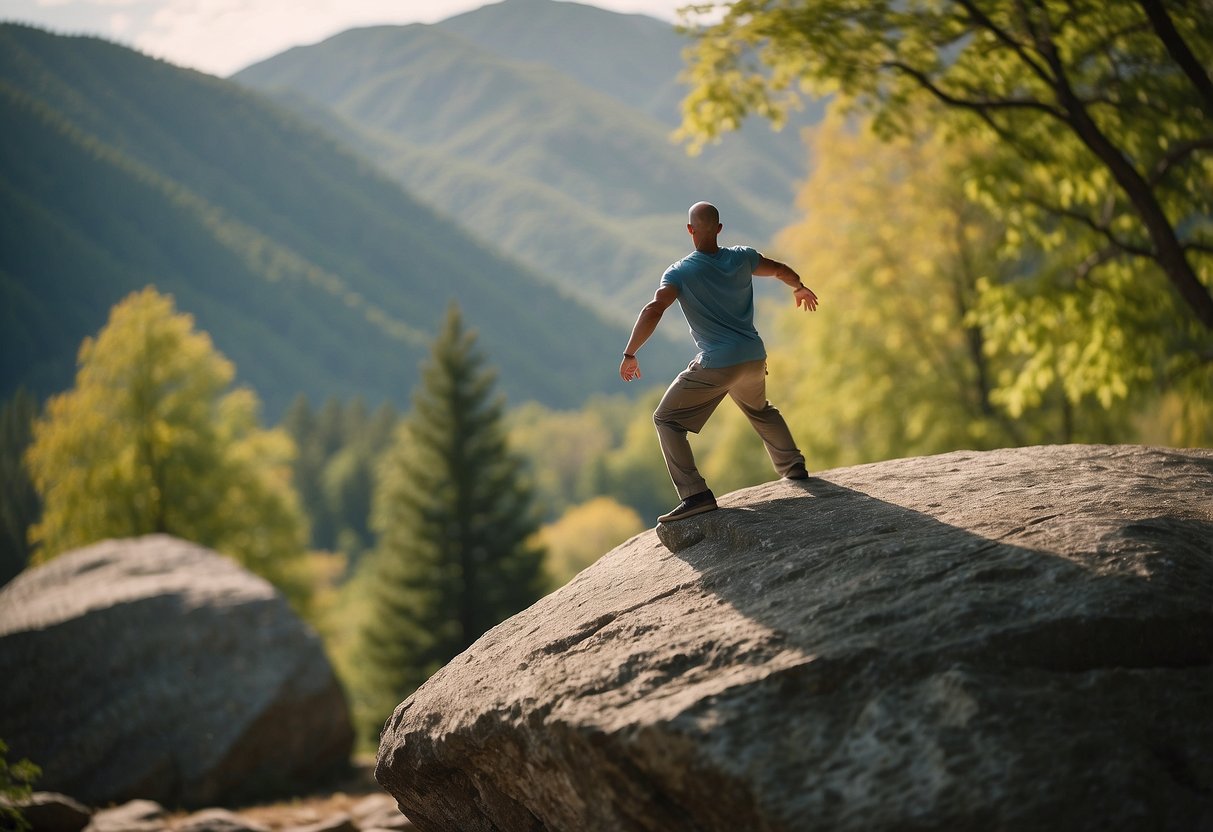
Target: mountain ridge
{"points": [[458, 122], [311, 270]]}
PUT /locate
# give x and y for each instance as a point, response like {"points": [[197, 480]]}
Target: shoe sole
{"points": [[670, 518]]}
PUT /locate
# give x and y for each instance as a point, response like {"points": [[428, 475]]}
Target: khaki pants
{"points": [[692, 398]]}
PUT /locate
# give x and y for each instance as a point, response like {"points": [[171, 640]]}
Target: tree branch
{"points": [[1098, 227], [1094, 260], [978, 105], [1177, 154], [1179, 51], [1106, 41], [981, 19]]}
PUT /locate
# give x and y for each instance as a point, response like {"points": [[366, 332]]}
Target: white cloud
{"points": [[105, 4], [222, 36]]}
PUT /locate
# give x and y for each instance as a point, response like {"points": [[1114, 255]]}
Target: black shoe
{"points": [[695, 504], [797, 473]]}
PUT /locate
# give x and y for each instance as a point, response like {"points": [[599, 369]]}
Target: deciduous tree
{"points": [[585, 533], [154, 439], [898, 362], [1099, 122]]}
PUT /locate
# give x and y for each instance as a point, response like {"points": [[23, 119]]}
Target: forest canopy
{"points": [[1095, 122]]}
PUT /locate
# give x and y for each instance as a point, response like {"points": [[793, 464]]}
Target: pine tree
{"points": [[455, 523]]}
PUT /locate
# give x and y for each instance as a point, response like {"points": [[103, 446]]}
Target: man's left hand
{"points": [[805, 297]]}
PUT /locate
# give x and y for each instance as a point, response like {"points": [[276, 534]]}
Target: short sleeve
{"points": [[671, 278], [752, 257]]}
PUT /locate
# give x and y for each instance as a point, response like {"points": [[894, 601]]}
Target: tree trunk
{"points": [[1168, 251], [1178, 49]]}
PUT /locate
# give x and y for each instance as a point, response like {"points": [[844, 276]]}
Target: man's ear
{"points": [[690, 230]]}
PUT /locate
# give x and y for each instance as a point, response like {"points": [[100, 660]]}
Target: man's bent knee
{"points": [[663, 421]]}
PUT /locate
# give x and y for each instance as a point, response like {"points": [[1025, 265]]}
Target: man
{"points": [[715, 288]]}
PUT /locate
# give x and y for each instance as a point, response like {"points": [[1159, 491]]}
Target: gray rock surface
{"points": [[54, 812], [378, 811], [1016, 639], [217, 820], [154, 668], [334, 823], [133, 816]]}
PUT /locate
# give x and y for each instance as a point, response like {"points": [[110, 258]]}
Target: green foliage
{"points": [[455, 521], [16, 781], [311, 270], [338, 450], [583, 534], [607, 448], [19, 505], [152, 440], [1094, 121], [902, 358]]}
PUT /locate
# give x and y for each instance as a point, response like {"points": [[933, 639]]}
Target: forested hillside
{"points": [[513, 120], [637, 60], [312, 271]]}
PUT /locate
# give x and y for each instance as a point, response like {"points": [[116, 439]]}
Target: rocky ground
{"points": [[354, 804], [344, 799]]}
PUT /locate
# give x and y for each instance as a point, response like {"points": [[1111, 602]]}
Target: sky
{"points": [[223, 36]]}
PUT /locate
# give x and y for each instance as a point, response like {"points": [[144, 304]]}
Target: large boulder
{"points": [[1016, 639], [155, 668]]}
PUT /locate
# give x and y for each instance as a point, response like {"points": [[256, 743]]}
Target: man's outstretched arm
{"points": [[646, 325], [784, 273]]}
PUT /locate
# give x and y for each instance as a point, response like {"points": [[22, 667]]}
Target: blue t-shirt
{"points": [[716, 292]]}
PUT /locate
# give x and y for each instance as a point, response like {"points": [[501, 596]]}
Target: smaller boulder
{"points": [[217, 820], [54, 812], [335, 823], [133, 816], [379, 811], [156, 668]]}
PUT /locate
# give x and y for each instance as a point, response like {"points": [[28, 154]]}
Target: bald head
{"points": [[703, 223], [703, 216]]}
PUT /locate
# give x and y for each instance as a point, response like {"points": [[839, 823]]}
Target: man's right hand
{"points": [[629, 369]]}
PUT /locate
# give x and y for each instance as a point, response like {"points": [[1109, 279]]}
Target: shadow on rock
{"points": [[1011, 639]]}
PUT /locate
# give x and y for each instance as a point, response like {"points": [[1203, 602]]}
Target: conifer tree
{"points": [[455, 523]]}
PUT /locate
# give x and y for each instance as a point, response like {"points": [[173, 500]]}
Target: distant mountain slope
{"points": [[637, 60], [311, 271], [611, 261], [631, 57], [574, 180]]}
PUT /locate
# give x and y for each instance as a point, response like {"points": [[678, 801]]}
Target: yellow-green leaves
{"points": [[583, 534], [1089, 144], [152, 440], [905, 355]]}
